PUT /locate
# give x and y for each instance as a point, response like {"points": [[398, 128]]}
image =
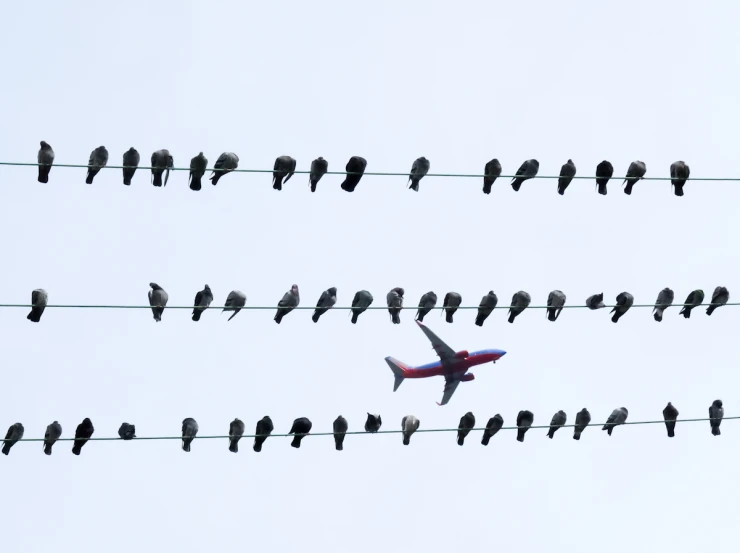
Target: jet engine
{"points": [[467, 377], [461, 354]]}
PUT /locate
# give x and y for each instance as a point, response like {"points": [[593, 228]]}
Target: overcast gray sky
{"points": [[390, 81]]}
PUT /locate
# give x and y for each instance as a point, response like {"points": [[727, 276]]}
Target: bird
{"points": [[319, 167], [523, 421], [301, 427], [226, 163], [45, 160], [720, 297], [679, 174], [635, 172], [716, 413], [452, 302], [618, 416], [189, 431], [558, 420], [419, 168], [263, 430], [555, 303], [131, 159], [604, 172], [692, 300], [362, 300], [283, 169], [665, 299], [83, 433], [526, 171], [52, 434], [670, 414], [127, 431], [198, 166], [485, 307], [234, 302], [467, 423], [39, 299], [290, 301], [595, 302], [394, 299], [409, 425], [356, 164], [236, 431], [519, 302], [492, 427], [98, 160], [583, 419], [161, 161], [373, 423], [158, 300], [15, 433], [491, 172], [624, 302], [326, 301], [340, 427], [427, 302], [202, 301], [567, 172]]}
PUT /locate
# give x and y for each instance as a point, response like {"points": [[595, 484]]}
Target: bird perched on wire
{"points": [[618, 416], [202, 301], [624, 302], [635, 172], [373, 423], [409, 425], [291, 299], [494, 424], [226, 163], [526, 171], [595, 302], [567, 172], [720, 297], [283, 169], [491, 172], [339, 427], [236, 431], [664, 301], [604, 172], [555, 304], [679, 175], [198, 166], [485, 307], [326, 301], [467, 423], [83, 433], [261, 433], [319, 167], [301, 427], [519, 302], [158, 300], [419, 168], [427, 302], [357, 165], [558, 421], [692, 300], [524, 421], [45, 160], [394, 299], [15, 433], [716, 414], [39, 299], [127, 431], [161, 161], [98, 160], [235, 301], [131, 159], [189, 432], [670, 414], [451, 304], [362, 300], [53, 433], [583, 419]]}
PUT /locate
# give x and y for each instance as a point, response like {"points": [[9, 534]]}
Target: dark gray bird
{"points": [[527, 171], [290, 301], [523, 420], [356, 164], [624, 302], [665, 299], [226, 163], [300, 428], [202, 301], [189, 432], [519, 302], [491, 172], [558, 420], [98, 160], [83, 433], [394, 299], [427, 302], [15, 433], [53, 433], [373, 423], [618, 416], [319, 167], [670, 414], [131, 159], [39, 299], [693, 299], [45, 160], [340, 427], [158, 300], [467, 423], [716, 413], [583, 419], [604, 172], [235, 301], [595, 302], [452, 303], [326, 301], [494, 425], [263, 430], [485, 307], [720, 297], [198, 166], [362, 300], [567, 172], [679, 175], [635, 172], [236, 431], [555, 304], [409, 425], [419, 168], [162, 162], [127, 431], [283, 169]]}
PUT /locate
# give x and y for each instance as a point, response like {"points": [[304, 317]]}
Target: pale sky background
{"points": [[459, 83]]}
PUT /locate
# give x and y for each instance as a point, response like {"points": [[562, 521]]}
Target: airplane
{"points": [[452, 365]]}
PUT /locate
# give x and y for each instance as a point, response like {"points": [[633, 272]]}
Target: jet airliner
{"points": [[452, 365]]}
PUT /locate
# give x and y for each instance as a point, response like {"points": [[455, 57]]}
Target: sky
{"points": [[390, 81]]}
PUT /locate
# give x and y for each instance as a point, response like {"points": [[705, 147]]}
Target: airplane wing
{"points": [[451, 385], [445, 352]]}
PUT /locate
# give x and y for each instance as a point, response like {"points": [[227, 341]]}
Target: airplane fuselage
{"points": [[458, 365]]}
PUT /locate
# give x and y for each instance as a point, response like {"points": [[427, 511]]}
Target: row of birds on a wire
{"points": [[236, 301], [302, 426], [285, 166]]}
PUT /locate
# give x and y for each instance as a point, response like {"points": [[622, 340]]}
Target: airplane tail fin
{"points": [[399, 370]]}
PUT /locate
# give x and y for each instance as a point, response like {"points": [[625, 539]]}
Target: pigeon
{"points": [[595, 302], [356, 164], [665, 299], [679, 174], [161, 161], [558, 420], [127, 431], [83, 433], [326, 301], [53, 433], [618, 416], [362, 300], [236, 431], [451, 304], [567, 172], [39, 299], [467, 423], [45, 161], [523, 421], [692, 300], [158, 300], [555, 303], [300, 428], [716, 413], [340, 429], [15, 433], [409, 425], [519, 302], [418, 170], [492, 427], [624, 302], [604, 172], [283, 169], [234, 302], [98, 160], [583, 419], [720, 297], [635, 172], [263, 430], [670, 414], [290, 301], [491, 172], [485, 308], [319, 167], [373, 422], [198, 166], [189, 431], [131, 159], [202, 301], [527, 170], [226, 163], [394, 298], [427, 302]]}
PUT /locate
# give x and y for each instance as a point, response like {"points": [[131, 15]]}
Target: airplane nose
{"points": [[501, 353]]}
